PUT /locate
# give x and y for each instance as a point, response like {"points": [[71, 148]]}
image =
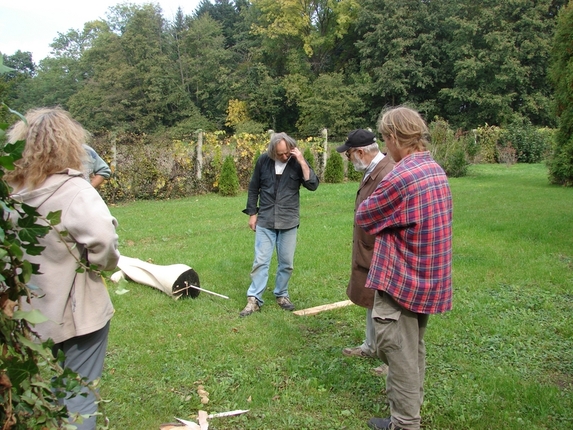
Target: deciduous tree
{"points": [[314, 26]]}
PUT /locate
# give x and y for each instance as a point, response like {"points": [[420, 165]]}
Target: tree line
{"points": [[246, 66]]}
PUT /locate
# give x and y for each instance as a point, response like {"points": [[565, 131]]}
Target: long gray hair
{"points": [[276, 138]]}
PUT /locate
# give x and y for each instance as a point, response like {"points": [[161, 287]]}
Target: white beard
{"points": [[358, 164]]}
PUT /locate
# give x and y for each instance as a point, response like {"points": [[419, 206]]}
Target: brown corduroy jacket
{"points": [[362, 242]]}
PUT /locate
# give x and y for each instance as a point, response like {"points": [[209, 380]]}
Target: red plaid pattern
{"points": [[411, 215]]}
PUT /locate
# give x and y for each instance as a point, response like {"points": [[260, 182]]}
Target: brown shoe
{"points": [[381, 370], [355, 352], [285, 303], [252, 306]]}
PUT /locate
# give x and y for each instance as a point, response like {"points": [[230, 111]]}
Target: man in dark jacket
{"points": [[275, 186], [363, 152]]}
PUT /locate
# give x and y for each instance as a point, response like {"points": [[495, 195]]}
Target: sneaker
{"points": [[381, 370], [285, 303], [355, 352], [382, 424], [252, 306]]}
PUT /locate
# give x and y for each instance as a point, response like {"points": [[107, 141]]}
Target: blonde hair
{"points": [[54, 142], [406, 126]]}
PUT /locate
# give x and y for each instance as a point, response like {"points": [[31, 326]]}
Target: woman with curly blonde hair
{"points": [[49, 177], [54, 142]]}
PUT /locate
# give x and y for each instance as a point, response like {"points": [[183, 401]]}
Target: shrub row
{"points": [[151, 167]]}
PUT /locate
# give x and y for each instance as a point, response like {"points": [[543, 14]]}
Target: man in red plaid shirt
{"points": [[411, 215]]}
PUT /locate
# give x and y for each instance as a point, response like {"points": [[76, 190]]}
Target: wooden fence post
{"points": [[324, 153], [199, 154], [113, 165]]}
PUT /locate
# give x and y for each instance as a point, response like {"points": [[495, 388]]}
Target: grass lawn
{"points": [[501, 359]]}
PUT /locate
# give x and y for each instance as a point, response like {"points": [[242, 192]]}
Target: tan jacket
{"points": [[362, 242], [75, 303]]}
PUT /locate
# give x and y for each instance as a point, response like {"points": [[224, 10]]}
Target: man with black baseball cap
{"points": [[362, 151], [356, 139]]}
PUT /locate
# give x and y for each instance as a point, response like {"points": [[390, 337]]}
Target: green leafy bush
{"points": [[530, 144], [488, 138], [334, 170], [448, 150], [250, 127], [229, 181], [560, 161], [309, 157]]}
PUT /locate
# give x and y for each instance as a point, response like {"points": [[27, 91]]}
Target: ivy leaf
{"points": [[5, 69], [3, 205], [27, 271], [121, 287], [29, 210], [7, 162], [16, 251], [14, 150], [31, 233], [20, 371], [33, 249], [54, 217], [33, 317], [38, 347]]}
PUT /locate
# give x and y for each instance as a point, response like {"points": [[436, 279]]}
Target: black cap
{"points": [[357, 139]]}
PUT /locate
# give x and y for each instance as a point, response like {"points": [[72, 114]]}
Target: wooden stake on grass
{"points": [[317, 309]]}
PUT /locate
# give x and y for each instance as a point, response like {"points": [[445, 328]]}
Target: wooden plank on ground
{"points": [[317, 309]]}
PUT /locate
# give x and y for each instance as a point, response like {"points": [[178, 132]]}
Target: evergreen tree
{"points": [[309, 157], [229, 181], [561, 160], [352, 174], [208, 66], [334, 170]]}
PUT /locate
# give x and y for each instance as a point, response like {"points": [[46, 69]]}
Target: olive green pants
{"points": [[400, 344]]}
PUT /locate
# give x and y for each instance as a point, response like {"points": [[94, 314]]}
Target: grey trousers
{"points": [[85, 356], [369, 344], [400, 344]]}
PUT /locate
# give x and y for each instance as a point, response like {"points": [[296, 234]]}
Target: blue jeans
{"points": [[266, 240]]}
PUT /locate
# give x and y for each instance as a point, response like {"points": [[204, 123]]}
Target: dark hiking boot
{"points": [[382, 424]]}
